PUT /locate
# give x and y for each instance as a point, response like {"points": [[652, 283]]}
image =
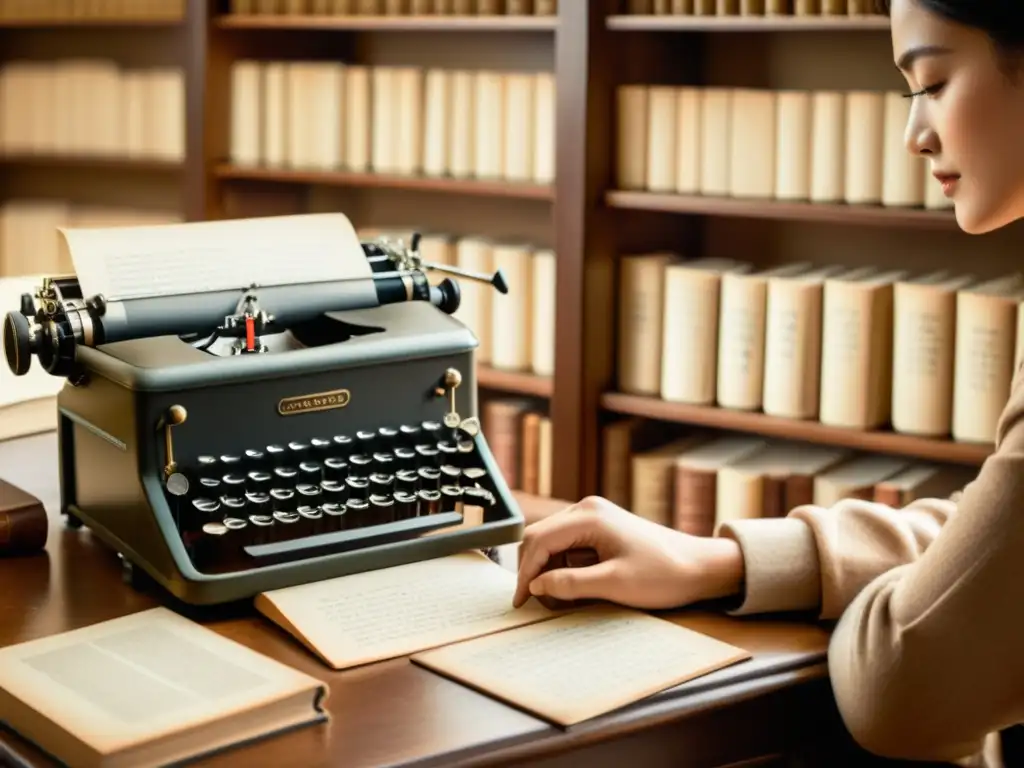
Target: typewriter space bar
{"points": [[356, 538]]}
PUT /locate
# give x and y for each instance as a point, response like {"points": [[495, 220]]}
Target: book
{"points": [[582, 664], [150, 688], [366, 617]]}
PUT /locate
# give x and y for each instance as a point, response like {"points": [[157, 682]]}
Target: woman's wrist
{"points": [[721, 566]]}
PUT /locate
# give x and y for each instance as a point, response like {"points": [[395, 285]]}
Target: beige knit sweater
{"points": [[927, 659]]}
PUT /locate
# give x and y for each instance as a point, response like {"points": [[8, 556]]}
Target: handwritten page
{"points": [[37, 383], [198, 257], [382, 614], [582, 664]]}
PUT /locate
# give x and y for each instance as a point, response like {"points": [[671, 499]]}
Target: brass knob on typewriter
{"points": [[177, 484], [452, 380]]}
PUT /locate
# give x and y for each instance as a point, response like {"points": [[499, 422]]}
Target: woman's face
{"points": [[967, 115]]}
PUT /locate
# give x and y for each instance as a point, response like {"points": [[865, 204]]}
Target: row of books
{"points": [[518, 432], [30, 243], [748, 7], [72, 10], [863, 348], [403, 120], [516, 330], [92, 107], [396, 7], [817, 146], [697, 480]]}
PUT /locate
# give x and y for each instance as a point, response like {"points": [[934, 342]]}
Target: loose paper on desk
{"points": [[205, 256], [584, 663], [382, 614], [27, 404], [150, 688]]}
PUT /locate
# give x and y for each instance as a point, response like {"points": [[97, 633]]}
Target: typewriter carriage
{"points": [[139, 415]]}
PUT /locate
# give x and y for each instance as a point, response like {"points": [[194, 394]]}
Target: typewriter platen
{"points": [[305, 433]]}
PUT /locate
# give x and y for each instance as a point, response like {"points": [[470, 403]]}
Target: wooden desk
{"points": [[396, 714]]}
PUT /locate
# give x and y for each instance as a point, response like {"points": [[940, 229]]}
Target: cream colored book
{"points": [[865, 131], [856, 478], [631, 145], [151, 688], [687, 139], [716, 147], [376, 615], [641, 296], [752, 158], [662, 106], [583, 664]]}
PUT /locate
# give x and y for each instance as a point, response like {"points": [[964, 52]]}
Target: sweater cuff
{"points": [[780, 559]]}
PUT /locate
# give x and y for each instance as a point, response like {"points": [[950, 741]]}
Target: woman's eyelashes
{"points": [[930, 90]]}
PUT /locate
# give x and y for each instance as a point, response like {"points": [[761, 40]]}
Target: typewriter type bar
{"points": [[295, 501]]}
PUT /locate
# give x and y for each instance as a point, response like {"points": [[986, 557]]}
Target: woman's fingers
{"points": [[550, 537]]}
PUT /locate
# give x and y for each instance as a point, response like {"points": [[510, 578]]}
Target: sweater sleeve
{"points": [[925, 660]]}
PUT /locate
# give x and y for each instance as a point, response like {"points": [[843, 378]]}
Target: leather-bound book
{"points": [[23, 521]]}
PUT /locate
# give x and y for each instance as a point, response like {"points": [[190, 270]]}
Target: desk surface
{"points": [[391, 713]]}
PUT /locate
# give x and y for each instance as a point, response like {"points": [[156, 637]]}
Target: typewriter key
{"points": [[230, 460], [431, 432], [384, 461], [467, 451], [382, 510], [429, 455], [259, 482], [310, 472], [366, 441], [234, 505], [285, 475], [298, 450], [405, 458], [357, 513], [211, 546], [236, 532], [409, 435], [430, 478], [382, 484], [203, 510], [235, 523], [477, 476], [448, 450], [470, 426], [451, 498], [358, 488], [450, 475], [308, 493], [360, 463], [260, 527], [387, 435], [478, 497], [311, 521], [334, 516], [407, 480], [320, 445], [282, 500], [342, 444], [405, 505], [254, 457], [429, 502], [335, 469], [334, 491], [276, 454], [233, 484], [210, 485], [177, 484], [259, 503], [286, 526]]}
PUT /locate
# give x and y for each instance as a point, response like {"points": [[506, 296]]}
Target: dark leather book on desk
{"points": [[23, 522], [148, 689]]}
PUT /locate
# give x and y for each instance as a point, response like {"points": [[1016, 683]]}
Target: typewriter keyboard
{"points": [[302, 499]]}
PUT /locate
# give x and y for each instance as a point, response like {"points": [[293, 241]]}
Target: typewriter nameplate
{"points": [[318, 401]]}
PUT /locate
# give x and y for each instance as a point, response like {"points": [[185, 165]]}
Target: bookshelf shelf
{"points": [[861, 215], [923, 448], [92, 162], [87, 22], [515, 382], [647, 23], [391, 23], [388, 181]]}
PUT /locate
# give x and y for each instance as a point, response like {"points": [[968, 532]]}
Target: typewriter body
{"points": [[236, 442]]}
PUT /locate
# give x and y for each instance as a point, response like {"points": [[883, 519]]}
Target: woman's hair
{"points": [[1001, 20]]}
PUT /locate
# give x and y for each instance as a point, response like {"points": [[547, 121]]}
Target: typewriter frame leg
{"points": [[134, 577], [73, 521]]}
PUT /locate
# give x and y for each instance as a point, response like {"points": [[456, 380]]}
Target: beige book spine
{"points": [[865, 128], [275, 114], [704, 7], [297, 90], [856, 355], [740, 379], [924, 329], [462, 130], [631, 137], [519, 123], [544, 128], [512, 313], [660, 174], [752, 143], [518, 7], [545, 7], [324, 112], [408, 83], [358, 116], [792, 349], [739, 495], [833, 7], [475, 308], [983, 370], [384, 128], [828, 147], [688, 142], [246, 111], [727, 7], [793, 141], [641, 297], [752, 7], [542, 347], [682, 7], [490, 138], [902, 180], [860, 7], [715, 132], [438, 113], [778, 8], [689, 349]]}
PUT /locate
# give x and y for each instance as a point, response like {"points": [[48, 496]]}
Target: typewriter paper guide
{"points": [[150, 688], [366, 617], [200, 257], [37, 383], [584, 663]]}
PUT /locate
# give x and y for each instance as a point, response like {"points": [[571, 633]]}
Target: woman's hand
{"points": [[639, 563]]}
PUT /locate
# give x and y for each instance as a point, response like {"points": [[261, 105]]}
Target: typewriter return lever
{"points": [[177, 484]]}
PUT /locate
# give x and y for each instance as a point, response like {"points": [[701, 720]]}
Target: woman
{"points": [[927, 660]]}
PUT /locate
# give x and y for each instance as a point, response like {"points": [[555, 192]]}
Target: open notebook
{"points": [[151, 688]]}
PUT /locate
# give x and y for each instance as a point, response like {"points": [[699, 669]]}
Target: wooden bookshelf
{"points": [[859, 215], [387, 181], [645, 23], [97, 22], [391, 23], [514, 382], [879, 441], [94, 162]]}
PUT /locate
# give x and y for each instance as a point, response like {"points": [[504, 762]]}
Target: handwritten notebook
{"points": [[382, 614], [582, 664], [151, 688]]}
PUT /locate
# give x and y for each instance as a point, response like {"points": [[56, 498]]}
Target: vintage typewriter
{"points": [[232, 442]]}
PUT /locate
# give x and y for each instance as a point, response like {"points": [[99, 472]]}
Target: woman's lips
{"points": [[948, 182]]}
